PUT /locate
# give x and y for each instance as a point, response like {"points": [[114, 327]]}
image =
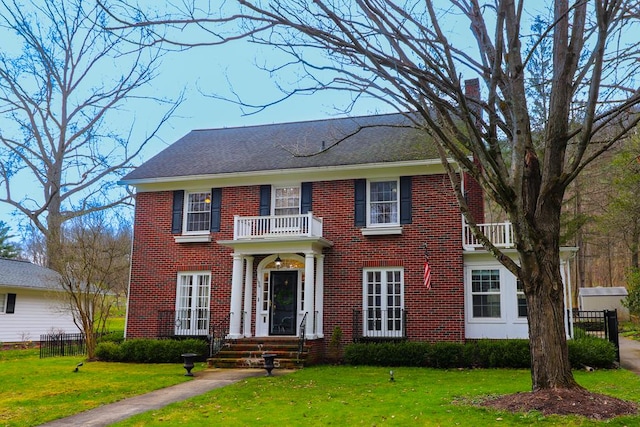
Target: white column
{"points": [[235, 307], [319, 295], [309, 292], [248, 293]]}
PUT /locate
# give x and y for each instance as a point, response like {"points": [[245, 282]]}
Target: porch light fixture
{"points": [[278, 262]]}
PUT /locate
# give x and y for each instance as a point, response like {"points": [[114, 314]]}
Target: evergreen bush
{"points": [[591, 352], [510, 353], [151, 350]]}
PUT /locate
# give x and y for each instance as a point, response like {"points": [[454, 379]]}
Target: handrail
{"points": [[218, 335], [302, 334]]}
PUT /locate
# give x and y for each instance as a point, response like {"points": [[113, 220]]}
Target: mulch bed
{"points": [[564, 402]]}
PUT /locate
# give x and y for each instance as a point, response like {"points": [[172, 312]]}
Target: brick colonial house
{"points": [[298, 228]]}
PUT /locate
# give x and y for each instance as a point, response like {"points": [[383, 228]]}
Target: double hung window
{"points": [[7, 303], [383, 203], [286, 201], [198, 212], [522, 300], [192, 304], [383, 308], [485, 293]]}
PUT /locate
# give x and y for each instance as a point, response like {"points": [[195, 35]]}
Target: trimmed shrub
{"points": [[591, 351], [511, 353], [108, 351], [387, 353], [150, 350], [446, 355]]}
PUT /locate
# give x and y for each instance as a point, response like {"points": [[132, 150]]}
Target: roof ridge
{"points": [[366, 116], [16, 259]]}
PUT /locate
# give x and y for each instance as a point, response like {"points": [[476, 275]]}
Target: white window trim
{"points": [[185, 219], [470, 293], [384, 333], [192, 238], [381, 230], [391, 227], [273, 196], [3, 303]]}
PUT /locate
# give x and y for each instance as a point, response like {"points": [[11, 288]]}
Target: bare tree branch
{"points": [[61, 97]]}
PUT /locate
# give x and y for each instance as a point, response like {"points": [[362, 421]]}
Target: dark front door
{"points": [[284, 302]]}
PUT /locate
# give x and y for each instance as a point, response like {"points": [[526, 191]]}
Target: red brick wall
{"points": [[433, 315], [475, 198]]}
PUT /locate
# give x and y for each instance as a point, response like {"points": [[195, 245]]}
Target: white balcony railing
{"points": [[499, 233], [252, 227]]}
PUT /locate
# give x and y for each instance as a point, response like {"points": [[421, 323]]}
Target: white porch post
{"points": [[309, 291], [319, 295], [248, 292], [235, 307]]}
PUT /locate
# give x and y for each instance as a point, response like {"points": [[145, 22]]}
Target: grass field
{"points": [[35, 390], [350, 396]]}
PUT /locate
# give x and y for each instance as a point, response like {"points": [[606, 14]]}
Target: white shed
{"points": [[30, 302], [600, 298]]}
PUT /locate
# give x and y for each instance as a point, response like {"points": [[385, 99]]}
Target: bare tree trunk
{"points": [[550, 366], [539, 248], [53, 235]]}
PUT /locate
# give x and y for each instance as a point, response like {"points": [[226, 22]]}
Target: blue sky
{"points": [[208, 70]]}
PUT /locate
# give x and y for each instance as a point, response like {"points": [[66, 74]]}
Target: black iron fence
{"points": [[62, 344], [601, 324], [379, 324], [184, 323]]}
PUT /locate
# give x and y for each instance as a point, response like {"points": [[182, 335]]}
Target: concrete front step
{"points": [[247, 353], [245, 362]]}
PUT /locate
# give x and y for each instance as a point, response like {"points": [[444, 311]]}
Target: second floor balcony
{"points": [[276, 226], [499, 233]]}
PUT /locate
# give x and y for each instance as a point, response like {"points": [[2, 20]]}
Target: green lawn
{"points": [[34, 391], [115, 324], [630, 330], [350, 396]]}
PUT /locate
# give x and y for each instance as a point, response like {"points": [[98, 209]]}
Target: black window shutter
{"points": [[360, 205], [265, 200], [11, 303], [216, 207], [176, 219], [306, 198], [405, 200]]}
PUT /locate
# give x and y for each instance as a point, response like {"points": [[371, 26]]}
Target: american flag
{"points": [[427, 274]]}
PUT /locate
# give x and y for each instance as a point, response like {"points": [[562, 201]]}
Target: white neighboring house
{"points": [[29, 303]]}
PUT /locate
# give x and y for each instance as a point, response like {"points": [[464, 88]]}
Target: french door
{"points": [[192, 304]]}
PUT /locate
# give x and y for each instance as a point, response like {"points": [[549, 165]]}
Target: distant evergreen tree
{"points": [[7, 249]]}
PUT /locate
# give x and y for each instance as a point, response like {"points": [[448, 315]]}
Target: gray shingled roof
{"points": [[24, 274], [362, 140], [602, 291]]}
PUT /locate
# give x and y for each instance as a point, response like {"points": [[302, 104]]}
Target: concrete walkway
{"points": [[630, 354], [123, 409]]}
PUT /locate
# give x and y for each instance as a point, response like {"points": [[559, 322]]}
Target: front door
{"points": [[284, 303]]}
